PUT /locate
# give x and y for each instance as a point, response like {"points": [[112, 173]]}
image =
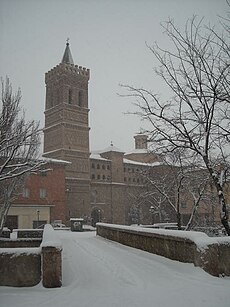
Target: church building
{"points": [[108, 185], [99, 186], [103, 186]]}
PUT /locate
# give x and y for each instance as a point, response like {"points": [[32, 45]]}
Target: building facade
{"points": [[42, 200], [104, 186]]}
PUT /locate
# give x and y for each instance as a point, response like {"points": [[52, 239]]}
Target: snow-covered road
{"points": [[100, 273]]}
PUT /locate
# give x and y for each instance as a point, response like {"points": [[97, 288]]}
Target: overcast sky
{"points": [[107, 36]]}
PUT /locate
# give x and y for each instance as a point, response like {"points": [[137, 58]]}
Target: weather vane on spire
{"points": [[67, 41]]}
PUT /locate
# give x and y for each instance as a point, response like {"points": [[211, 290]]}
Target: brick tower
{"points": [[66, 132]]}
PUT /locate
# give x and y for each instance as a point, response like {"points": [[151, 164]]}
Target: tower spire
{"points": [[67, 57]]}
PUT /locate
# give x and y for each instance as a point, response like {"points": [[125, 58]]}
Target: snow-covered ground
{"points": [[100, 273]]}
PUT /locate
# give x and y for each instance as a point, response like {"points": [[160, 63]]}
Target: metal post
{"points": [[38, 217]]}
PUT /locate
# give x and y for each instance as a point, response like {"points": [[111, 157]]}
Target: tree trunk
{"points": [[224, 213], [220, 192], [188, 226], [4, 211], [179, 220]]}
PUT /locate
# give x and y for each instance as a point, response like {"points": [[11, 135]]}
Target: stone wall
{"points": [[211, 254], [26, 266], [27, 242], [20, 267], [51, 259]]}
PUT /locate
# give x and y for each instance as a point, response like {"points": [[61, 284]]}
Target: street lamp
{"points": [[38, 216], [152, 211]]}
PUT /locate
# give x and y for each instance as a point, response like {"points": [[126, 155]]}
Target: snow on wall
{"points": [[201, 239], [50, 238], [211, 254], [21, 250]]}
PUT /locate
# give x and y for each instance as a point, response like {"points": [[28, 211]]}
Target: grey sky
{"points": [[106, 36]]}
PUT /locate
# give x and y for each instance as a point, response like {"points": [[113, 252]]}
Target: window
{"points": [[103, 167], [183, 205], [98, 166], [58, 96], [93, 165], [103, 177], [108, 167], [42, 193], [80, 98], [93, 176], [98, 177], [51, 98], [70, 97], [124, 169], [125, 179], [26, 193], [43, 173]]}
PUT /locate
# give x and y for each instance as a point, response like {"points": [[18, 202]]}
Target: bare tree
{"points": [[176, 181], [196, 71], [163, 190], [196, 189], [19, 143]]}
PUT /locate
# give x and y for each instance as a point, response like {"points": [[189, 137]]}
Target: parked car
{"points": [[58, 225]]}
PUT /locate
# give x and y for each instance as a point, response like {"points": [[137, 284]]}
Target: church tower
{"points": [[66, 131]]}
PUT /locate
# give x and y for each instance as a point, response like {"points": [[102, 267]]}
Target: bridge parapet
{"points": [[211, 254]]}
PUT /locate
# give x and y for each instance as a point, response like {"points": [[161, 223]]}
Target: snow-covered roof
{"points": [[157, 163], [138, 151], [51, 160], [97, 156], [112, 148]]}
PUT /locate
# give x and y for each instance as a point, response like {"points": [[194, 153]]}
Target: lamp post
{"points": [[99, 215], [152, 211], [38, 216]]}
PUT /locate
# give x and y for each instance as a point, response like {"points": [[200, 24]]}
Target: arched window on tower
{"points": [[70, 96], [51, 98], [58, 96], [80, 98], [48, 97]]}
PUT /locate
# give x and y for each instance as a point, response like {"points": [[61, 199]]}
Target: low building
{"points": [[43, 198]]}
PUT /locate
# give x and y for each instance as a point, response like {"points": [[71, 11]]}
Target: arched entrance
{"points": [[96, 216]]}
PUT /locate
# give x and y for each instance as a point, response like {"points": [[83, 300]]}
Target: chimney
{"points": [[141, 141]]}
